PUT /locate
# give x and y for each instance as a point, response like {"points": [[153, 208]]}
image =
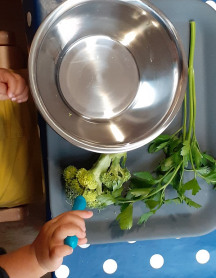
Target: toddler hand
{"points": [[49, 246], [12, 86]]}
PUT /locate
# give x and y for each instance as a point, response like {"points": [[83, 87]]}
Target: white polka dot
{"points": [[29, 19], [131, 241], [212, 4], [84, 245], [62, 272], [178, 238], [110, 266], [156, 261], [202, 256]]}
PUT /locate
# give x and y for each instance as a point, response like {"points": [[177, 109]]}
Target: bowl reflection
{"points": [[107, 75]]}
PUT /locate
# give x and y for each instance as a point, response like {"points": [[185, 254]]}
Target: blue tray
{"points": [[171, 220], [133, 260]]}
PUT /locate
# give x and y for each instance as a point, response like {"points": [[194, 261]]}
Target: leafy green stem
{"points": [[191, 77], [185, 118], [192, 163], [194, 106], [167, 183]]}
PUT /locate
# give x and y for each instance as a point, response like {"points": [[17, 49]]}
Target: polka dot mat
{"points": [[181, 258]]}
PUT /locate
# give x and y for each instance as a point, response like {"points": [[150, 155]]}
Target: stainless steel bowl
{"points": [[107, 75]]}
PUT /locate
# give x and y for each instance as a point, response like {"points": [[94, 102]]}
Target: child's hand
{"points": [[12, 86], [49, 246]]}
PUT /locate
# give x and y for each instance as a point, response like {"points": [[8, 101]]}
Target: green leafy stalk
{"points": [[181, 154]]}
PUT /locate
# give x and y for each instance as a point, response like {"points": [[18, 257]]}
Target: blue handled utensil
{"points": [[79, 204]]}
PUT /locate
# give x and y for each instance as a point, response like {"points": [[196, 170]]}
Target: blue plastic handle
{"points": [[79, 204]]}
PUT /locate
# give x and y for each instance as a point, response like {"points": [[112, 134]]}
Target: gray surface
{"points": [[115, 72], [171, 220]]}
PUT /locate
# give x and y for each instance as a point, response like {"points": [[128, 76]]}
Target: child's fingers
{"points": [[72, 216], [62, 231], [71, 219], [3, 88], [82, 241], [21, 87], [15, 85], [10, 80], [3, 91], [85, 214], [69, 224], [60, 251], [22, 97]]}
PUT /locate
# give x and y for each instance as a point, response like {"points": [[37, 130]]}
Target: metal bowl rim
{"points": [[95, 147]]}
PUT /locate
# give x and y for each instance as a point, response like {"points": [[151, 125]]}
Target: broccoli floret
{"points": [[91, 178], [86, 178], [91, 198], [75, 186], [107, 175], [70, 173], [96, 201], [117, 173], [73, 189]]}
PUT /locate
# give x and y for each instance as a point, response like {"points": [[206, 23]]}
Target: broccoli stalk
{"points": [[98, 184], [91, 178]]}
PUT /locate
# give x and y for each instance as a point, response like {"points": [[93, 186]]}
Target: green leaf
{"points": [[136, 183], [125, 218], [145, 177], [185, 152], [186, 148], [159, 143], [197, 156], [191, 203], [140, 191], [162, 138], [144, 217], [171, 161], [167, 178], [106, 199], [167, 163], [123, 207], [129, 196], [174, 200], [151, 204], [204, 170], [191, 185], [174, 145], [210, 177], [175, 180], [117, 193], [153, 148], [209, 158]]}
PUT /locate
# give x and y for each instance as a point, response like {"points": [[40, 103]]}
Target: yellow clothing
{"points": [[20, 154]]}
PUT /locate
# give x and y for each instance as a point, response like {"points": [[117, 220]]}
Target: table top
{"points": [[185, 257]]}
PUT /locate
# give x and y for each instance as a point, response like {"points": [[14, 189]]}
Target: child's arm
{"points": [[12, 86], [46, 253]]}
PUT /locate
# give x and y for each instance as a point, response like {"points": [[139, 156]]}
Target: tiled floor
{"points": [[16, 234]]}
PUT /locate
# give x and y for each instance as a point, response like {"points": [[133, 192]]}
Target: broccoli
{"points": [[115, 176], [70, 173], [91, 199], [98, 184], [72, 186], [86, 179]]}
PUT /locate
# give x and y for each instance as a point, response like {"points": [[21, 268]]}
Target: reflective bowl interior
{"points": [[108, 76]]}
